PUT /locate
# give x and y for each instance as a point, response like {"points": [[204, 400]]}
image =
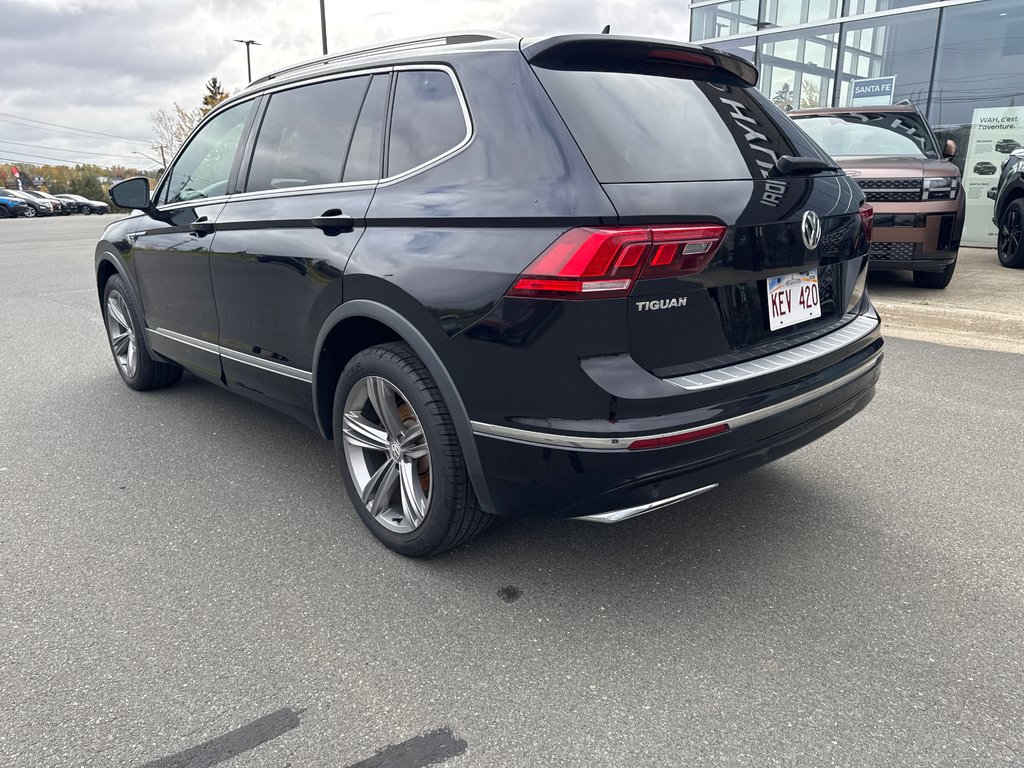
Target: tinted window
{"points": [[427, 120], [203, 168], [305, 135], [641, 127], [871, 133], [363, 161]]}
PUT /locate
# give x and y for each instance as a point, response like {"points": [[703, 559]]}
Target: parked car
{"points": [[1008, 211], [1007, 145], [59, 207], [10, 207], [84, 205], [33, 206], [525, 300], [985, 168], [908, 180]]}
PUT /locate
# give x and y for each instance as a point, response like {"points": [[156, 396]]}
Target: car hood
{"points": [[875, 167]]}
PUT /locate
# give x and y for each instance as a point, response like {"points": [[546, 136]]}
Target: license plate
{"points": [[793, 299]]}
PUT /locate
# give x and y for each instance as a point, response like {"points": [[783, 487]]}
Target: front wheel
{"points": [[1011, 235], [29, 213], [86, 210], [399, 454], [938, 279], [127, 337], [4, 212]]}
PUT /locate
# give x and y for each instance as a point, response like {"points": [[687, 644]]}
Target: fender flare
{"points": [[419, 344], [108, 255]]}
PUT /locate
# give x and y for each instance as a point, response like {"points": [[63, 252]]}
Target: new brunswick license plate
{"points": [[793, 299]]}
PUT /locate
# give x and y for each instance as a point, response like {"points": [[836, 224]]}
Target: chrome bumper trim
{"points": [[779, 361], [618, 515], [622, 443]]}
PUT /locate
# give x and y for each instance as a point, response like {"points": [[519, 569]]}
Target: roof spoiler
{"points": [[610, 51]]}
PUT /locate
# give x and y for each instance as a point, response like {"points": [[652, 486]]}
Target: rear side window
{"points": [[637, 127], [305, 135], [427, 119]]}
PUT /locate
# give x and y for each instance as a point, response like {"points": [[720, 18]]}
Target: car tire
{"points": [[1010, 245], [128, 344], [86, 210], [938, 279], [4, 212], [29, 213], [400, 456]]}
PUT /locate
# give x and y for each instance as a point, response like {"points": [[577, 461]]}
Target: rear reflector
{"points": [[605, 262], [867, 220], [681, 437]]}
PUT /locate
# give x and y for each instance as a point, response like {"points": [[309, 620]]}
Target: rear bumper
{"points": [[533, 474]]}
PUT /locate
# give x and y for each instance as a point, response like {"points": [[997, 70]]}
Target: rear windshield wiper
{"points": [[789, 165]]}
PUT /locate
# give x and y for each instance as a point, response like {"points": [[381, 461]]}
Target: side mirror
{"points": [[950, 149], [131, 193]]}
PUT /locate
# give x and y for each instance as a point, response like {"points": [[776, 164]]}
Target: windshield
{"points": [[883, 134]]}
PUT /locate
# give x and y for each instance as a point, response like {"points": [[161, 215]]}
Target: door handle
{"points": [[201, 226], [334, 220]]}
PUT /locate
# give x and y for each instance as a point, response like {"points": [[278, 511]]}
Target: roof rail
{"points": [[407, 44]]}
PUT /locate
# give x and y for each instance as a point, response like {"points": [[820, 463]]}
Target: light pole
{"points": [[248, 61], [323, 26]]}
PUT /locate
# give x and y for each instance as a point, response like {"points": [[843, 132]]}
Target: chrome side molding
{"points": [[618, 515]]}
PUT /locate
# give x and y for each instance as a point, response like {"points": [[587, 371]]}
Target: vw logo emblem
{"points": [[810, 229]]}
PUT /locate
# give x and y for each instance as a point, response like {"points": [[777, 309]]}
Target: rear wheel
{"points": [[400, 456], [126, 334], [1011, 235], [4, 212], [86, 210], [29, 212], [938, 279]]}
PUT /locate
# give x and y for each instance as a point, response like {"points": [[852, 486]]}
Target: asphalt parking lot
{"points": [[182, 579]]}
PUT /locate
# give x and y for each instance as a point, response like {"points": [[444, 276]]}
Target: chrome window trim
{"points": [[239, 357], [756, 35], [343, 185], [549, 440], [779, 361]]}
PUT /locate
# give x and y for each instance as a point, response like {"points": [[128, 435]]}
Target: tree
{"points": [[215, 94], [172, 128], [810, 95], [783, 98]]}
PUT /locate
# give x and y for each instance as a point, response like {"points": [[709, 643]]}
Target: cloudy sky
{"points": [[102, 67]]}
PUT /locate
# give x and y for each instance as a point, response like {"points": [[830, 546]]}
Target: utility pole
{"points": [[248, 61], [323, 26]]}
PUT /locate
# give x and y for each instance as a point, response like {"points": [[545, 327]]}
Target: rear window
{"points": [[891, 134], [635, 127]]}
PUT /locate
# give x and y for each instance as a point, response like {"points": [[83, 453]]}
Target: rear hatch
{"points": [[678, 135]]}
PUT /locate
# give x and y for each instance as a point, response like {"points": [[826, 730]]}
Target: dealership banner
{"points": [[995, 133]]}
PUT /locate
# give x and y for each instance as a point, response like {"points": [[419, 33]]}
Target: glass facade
{"points": [[961, 62]]}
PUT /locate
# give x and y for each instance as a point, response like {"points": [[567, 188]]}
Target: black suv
{"points": [[1008, 211], [583, 276]]}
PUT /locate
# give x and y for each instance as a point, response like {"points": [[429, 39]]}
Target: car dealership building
{"points": [[960, 61]]}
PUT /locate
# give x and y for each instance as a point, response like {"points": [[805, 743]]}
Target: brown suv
{"points": [[914, 189]]}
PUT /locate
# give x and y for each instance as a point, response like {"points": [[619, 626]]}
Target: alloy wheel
{"points": [[387, 454], [122, 334], [29, 213], [1010, 234]]}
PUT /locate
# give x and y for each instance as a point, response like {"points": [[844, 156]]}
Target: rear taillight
{"points": [[591, 263], [867, 220]]}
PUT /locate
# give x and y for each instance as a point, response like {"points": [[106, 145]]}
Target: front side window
{"points": [[427, 119], [203, 168], [305, 135]]}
